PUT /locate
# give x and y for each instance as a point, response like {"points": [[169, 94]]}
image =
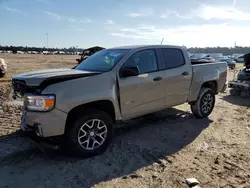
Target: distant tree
{"points": [[224, 50]]}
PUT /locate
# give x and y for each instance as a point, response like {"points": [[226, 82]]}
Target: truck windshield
{"points": [[103, 60]]}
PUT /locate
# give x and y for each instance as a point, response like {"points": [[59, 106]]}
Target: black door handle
{"points": [[157, 79], [185, 73]]}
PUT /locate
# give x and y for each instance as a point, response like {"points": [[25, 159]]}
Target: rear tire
{"points": [[91, 134], [204, 105]]}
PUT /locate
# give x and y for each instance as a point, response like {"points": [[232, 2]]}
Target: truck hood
{"points": [[47, 77]]}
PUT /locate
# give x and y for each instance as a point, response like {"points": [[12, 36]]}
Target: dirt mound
{"points": [[10, 111], [5, 92]]}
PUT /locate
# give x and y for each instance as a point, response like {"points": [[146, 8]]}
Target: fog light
{"points": [[38, 130]]}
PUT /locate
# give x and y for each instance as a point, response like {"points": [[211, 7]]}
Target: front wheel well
{"points": [[103, 105]]}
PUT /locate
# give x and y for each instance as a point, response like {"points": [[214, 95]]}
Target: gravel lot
{"points": [[158, 150]]}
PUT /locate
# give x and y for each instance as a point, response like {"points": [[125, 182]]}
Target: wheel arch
{"points": [[212, 85], [103, 105]]}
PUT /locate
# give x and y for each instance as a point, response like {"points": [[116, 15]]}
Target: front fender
{"points": [[72, 93]]}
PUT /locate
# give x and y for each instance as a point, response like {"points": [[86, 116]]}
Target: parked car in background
{"points": [[239, 59], [230, 62], [88, 52], [198, 55], [209, 58], [3, 67], [215, 55]]}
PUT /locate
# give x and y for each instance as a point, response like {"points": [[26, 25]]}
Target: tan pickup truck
{"points": [[79, 107]]}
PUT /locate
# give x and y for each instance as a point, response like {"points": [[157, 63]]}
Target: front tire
{"points": [[204, 105], [91, 134]]}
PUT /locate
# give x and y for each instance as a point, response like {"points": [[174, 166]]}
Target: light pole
{"points": [[47, 39], [76, 49]]}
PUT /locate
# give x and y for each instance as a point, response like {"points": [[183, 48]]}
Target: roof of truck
{"points": [[143, 46]]}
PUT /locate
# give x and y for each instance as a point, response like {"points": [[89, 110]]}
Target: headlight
{"points": [[39, 103]]}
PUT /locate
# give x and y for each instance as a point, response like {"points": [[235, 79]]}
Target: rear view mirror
{"points": [[129, 71]]}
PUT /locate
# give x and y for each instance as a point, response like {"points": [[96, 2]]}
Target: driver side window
{"points": [[145, 60]]}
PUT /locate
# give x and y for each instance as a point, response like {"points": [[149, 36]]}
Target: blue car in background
{"points": [[230, 62]]}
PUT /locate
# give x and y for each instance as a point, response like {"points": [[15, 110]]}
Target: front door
{"points": [[144, 93]]}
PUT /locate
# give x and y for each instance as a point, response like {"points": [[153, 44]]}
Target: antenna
{"points": [[162, 40]]}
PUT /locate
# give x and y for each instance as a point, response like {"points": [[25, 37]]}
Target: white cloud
{"points": [[141, 13], [76, 28], [208, 12], [43, 1], [109, 22], [69, 19], [134, 14], [54, 15], [169, 13], [13, 10], [78, 21], [222, 13], [190, 35]]}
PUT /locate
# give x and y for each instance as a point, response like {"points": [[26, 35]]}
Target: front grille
{"points": [[19, 87]]}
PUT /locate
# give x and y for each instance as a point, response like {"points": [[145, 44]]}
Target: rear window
{"points": [[173, 58]]}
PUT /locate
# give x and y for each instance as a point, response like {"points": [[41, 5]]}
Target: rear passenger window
{"points": [[172, 58]]}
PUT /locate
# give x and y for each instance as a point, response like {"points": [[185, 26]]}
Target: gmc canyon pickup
{"points": [[79, 107]]}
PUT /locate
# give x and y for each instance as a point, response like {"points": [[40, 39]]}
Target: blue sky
{"points": [[111, 23]]}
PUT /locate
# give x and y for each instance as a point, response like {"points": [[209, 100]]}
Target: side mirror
{"points": [[129, 71]]}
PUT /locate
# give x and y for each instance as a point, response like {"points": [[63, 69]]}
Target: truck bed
{"points": [[213, 71]]}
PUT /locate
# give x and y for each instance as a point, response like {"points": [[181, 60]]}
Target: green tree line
{"points": [[38, 49], [224, 50]]}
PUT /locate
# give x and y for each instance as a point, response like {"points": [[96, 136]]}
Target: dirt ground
{"points": [[158, 150]]}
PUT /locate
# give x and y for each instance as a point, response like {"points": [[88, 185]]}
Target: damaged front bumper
{"points": [[44, 128], [51, 143]]}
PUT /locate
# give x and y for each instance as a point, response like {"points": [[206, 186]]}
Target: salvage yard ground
{"points": [[158, 150]]}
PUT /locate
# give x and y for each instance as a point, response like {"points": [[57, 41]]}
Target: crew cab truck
{"points": [[81, 105]]}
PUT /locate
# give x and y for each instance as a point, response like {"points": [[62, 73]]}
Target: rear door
{"points": [[178, 76], [144, 93]]}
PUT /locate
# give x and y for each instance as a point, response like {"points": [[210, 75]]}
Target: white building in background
{"points": [[61, 52], [45, 52], [20, 52]]}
